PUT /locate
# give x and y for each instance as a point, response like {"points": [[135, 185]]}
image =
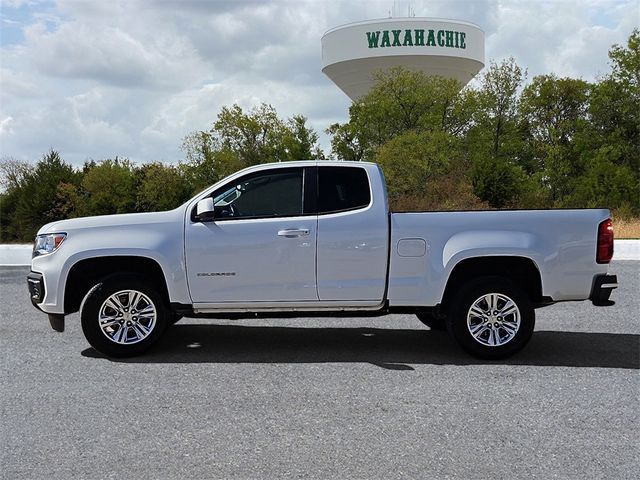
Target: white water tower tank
{"points": [[352, 53]]}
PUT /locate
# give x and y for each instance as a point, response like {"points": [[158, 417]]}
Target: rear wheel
{"points": [[491, 318], [123, 316]]}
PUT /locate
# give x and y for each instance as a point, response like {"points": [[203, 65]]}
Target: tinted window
{"points": [[342, 188], [265, 194]]}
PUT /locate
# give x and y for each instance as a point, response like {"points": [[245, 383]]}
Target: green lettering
{"points": [[419, 37], [440, 38], [373, 37], [396, 38], [431, 39], [457, 39], [462, 36], [385, 39], [407, 39], [448, 35]]}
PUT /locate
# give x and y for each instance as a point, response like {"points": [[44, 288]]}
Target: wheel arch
{"points": [[522, 271], [84, 274]]}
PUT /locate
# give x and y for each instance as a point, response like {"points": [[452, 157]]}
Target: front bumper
{"points": [[35, 282], [603, 285]]}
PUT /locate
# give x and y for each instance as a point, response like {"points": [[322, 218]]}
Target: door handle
{"points": [[293, 232]]}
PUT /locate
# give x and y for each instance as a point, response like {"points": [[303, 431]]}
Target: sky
{"points": [[95, 79]]}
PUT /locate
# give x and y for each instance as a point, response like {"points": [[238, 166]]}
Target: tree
{"points": [[615, 104], [300, 141], [498, 106], [625, 63], [35, 200], [553, 115], [162, 187], [345, 142], [255, 137], [109, 187], [610, 143], [241, 139], [402, 100], [411, 159], [494, 142], [206, 163], [606, 184], [13, 173]]}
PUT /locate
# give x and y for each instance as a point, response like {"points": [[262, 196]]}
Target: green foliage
{"points": [[555, 142], [411, 159], [498, 181], [301, 142], [345, 142], [162, 187], [552, 143], [34, 199], [401, 101], [606, 184], [108, 187], [241, 139], [625, 63], [496, 117], [206, 163], [553, 117]]}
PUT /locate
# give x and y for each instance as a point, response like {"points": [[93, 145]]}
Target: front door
{"points": [[260, 248]]}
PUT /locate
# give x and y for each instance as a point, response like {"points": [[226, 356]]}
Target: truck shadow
{"points": [[394, 349]]}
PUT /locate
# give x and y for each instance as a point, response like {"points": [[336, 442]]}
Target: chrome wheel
{"points": [[493, 319], [127, 317]]}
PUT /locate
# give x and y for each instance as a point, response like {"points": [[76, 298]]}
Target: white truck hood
{"points": [[103, 221]]}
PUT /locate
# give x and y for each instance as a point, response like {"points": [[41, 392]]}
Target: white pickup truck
{"points": [[317, 239]]}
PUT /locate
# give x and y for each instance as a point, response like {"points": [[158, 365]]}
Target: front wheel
{"points": [[123, 316], [491, 318]]}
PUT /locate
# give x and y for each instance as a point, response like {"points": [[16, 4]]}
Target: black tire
{"points": [[144, 331], [432, 320], [497, 329]]}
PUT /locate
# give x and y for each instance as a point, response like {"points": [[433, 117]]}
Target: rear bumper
{"points": [[603, 285]]}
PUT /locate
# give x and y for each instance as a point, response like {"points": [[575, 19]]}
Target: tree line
{"points": [[501, 143]]}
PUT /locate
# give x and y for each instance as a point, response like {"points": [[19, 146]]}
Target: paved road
{"points": [[323, 398]]}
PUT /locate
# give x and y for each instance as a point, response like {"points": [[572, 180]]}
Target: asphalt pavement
{"points": [[323, 398]]}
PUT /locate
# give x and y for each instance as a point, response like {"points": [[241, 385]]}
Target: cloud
{"points": [[559, 37], [111, 55], [97, 79], [5, 126], [17, 85]]}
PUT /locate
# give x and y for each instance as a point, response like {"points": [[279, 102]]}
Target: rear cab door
{"points": [[353, 233]]}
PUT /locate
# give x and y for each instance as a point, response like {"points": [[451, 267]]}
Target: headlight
{"points": [[48, 243]]}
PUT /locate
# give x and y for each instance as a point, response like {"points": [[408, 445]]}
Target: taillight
{"points": [[604, 253]]}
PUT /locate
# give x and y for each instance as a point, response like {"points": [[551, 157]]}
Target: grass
{"points": [[628, 228]]}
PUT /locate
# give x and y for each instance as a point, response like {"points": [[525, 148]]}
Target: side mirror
{"points": [[205, 211]]}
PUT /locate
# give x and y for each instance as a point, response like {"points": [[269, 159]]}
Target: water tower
{"points": [[352, 53]]}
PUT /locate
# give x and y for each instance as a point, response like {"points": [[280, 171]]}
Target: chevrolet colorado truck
{"points": [[316, 238]]}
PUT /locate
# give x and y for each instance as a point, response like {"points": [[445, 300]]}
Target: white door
{"points": [[262, 245], [353, 236]]}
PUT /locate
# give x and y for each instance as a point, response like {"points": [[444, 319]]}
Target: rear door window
{"points": [[342, 188]]}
